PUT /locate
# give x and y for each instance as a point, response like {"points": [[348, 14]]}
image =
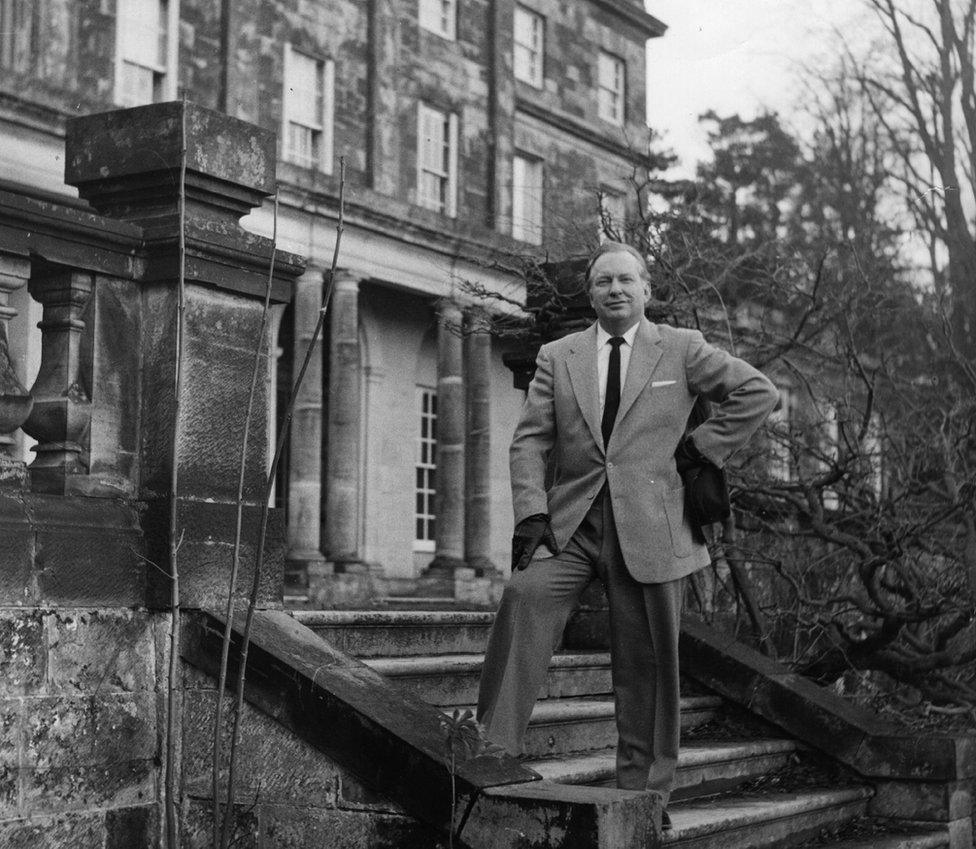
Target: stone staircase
{"points": [[741, 783]]}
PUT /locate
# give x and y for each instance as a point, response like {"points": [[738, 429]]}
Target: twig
{"points": [[169, 766], [238, 527], [269, 485]]}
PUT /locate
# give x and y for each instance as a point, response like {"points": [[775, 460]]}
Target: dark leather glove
{"points": [[688, 457], [529, 534]]}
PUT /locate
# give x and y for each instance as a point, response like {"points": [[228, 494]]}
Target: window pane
{"points": [[527, 199], [137, 85], [528, 49]]}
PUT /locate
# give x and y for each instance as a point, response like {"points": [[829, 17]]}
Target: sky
{"points": [[735, 56]]}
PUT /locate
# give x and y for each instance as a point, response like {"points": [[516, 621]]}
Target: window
{"points": [[437, 160], [145, 57], [307, 110], [527, 199], [830, 453], [872, 456], [529, 46], [439, 16], [610, 88], [612, 214], [16, 35], [780, 424], [424, 518]]}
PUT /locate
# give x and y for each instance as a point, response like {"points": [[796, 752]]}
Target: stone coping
{"points": [[852, 735], [393, 741]]}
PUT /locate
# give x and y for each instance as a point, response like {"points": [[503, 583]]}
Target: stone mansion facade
{"points": [[470, 131]]}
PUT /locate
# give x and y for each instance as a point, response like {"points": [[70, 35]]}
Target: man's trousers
{"points": [[644, 625]]}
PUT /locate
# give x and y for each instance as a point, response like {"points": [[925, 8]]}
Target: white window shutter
{"points": [[452, 168], [328, 118]]}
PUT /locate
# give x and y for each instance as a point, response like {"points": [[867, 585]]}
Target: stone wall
{"points": [[289, 795], [81, 704]]}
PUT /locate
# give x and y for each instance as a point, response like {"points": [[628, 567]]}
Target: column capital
{"points": [[449, 310], [476, 319], [346, 280]]}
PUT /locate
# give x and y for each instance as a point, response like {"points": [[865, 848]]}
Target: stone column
{"points": [[342, 526], [477, 448], [449, 478], [305, 466], [15, 400]]}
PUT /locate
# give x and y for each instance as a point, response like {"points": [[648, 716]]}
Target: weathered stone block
{"points": [[354, 795], [104, 651], [930, 801], [293, 827], [206, 554], [79, 831], [549, 814], [9, 790], [196, 825], [89, 730], [274, 764], [131, 828], [95, 566], [930, 757], [11, 730], [102, 150], [23, 659], [65, 788], [16, 559]]}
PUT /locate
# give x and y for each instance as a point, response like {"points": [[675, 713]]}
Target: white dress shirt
{"points": [[603, 359]]}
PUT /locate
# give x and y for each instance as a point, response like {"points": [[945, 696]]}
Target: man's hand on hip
{"points": [[529, 534]]}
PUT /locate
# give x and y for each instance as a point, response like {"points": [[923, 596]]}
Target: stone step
{"points": [[395, 633], [452, 679], [565, 726], [754, 821], [703, 769], [893, 840]]}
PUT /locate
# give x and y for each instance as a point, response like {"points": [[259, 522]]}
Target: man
{"points": [[597, 491]]}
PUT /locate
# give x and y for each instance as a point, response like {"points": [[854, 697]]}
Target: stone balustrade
{"points": [[103, 407]]}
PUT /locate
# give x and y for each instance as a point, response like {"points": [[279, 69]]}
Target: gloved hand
{"points": [[529, 533], [687, 456]]}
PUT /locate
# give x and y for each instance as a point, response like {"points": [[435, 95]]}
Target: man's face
{"points": [[617, 291]]}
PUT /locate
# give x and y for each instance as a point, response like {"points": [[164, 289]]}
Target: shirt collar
{"points": [[602, 336]]}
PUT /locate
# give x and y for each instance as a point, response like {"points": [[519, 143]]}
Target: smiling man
{"points": [[605, 415]]}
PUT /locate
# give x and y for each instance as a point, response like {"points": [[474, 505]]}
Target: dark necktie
{"points": [[611, 400]]}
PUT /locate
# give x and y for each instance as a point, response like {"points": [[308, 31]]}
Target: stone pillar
{"points": [[61, 416], [343, 480], [15, 400], [449, 478], [305, 466], [230, 169], [477, 448]]}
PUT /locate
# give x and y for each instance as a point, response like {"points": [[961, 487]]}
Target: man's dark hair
{"points": [[617, 247]]}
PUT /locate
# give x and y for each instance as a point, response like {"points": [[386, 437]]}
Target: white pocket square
{"points": [[655, 383]]}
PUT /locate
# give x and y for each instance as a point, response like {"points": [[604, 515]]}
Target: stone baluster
{"points": [[61, 415], [15, 400]]}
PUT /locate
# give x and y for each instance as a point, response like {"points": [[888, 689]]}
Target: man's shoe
{"points": [[665, 821]]}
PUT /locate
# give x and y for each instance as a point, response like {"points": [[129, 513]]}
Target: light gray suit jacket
{"points": [[559, 430]]}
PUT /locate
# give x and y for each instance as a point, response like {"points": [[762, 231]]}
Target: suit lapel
{"points": [[643, 359], [581, 364]]}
